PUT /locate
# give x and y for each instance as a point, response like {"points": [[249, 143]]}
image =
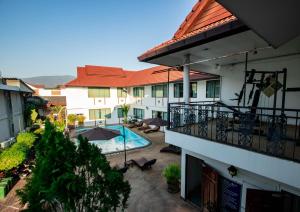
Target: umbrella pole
{"points": [[124, 140]]}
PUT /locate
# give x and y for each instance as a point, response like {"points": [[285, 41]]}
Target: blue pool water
{"points": [[116, 144]]}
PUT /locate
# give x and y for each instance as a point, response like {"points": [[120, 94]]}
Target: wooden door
{"points": [[209, 189]]}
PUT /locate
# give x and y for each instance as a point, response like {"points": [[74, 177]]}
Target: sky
{"points": [[53, 37]]}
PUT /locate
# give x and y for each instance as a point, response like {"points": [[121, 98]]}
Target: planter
{"points": [[173, 187]]}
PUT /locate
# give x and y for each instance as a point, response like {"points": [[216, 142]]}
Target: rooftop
{"points": [[102, 76]]}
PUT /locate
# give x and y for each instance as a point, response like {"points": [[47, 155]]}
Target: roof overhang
{"points": [[277, 21], [222, 31], [227, 51]]}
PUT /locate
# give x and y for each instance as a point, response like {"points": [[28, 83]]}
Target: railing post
{"points": [[169, 115]]}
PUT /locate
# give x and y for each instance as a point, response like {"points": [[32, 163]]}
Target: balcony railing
{"points": [[268, 131]]}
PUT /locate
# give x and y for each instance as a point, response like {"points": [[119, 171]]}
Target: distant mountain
{"points": [[49, 81]]}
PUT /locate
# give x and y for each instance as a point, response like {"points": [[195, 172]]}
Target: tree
{"points": [[71, 178], [125, 109]]}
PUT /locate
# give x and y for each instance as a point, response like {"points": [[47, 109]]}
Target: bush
{"points": [[12, 157], [172, 173], [15, 155], [71, 119], [81, 119], [26, 138]]}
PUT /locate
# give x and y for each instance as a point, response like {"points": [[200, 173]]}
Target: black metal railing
{"points": [[268, 131]]}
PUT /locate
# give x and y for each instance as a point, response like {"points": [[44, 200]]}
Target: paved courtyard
{"points": [[149, 189]]}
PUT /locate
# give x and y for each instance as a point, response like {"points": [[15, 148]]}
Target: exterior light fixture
{"points": [[232, 171]]}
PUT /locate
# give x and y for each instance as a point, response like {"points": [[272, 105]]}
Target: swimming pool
{"points": [[116, 144]]}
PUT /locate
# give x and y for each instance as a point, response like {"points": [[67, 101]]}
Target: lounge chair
{"points": [[152, 129], [143, 163], [144, 127], [171, 149], [136, 124]]}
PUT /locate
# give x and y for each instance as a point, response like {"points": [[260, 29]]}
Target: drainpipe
{"points": [[186, 80]]}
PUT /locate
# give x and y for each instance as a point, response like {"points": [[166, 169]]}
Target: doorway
{"points": [[201, 184]]}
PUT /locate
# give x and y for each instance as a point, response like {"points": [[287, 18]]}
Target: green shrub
{"points": [[26, 138], [13, 156], [172, 173], [71, 119]]}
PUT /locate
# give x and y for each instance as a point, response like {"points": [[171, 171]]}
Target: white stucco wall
{"points": [[274, 171], [78, 101]]}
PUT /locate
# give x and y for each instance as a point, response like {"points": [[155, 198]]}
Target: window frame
{"points": [[140, 112], [121, 92], [106, 115], [216, 92], [106, 92], [163, 88], [138, 91]]}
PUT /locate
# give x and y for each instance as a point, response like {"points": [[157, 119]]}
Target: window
{"points": [[98, 92], [55, 92], [178, 90], [193, 90], [160, 114], [138, 92], [99, 113], [138, 113], [213, 89], [160, 91], [120, 113], [122, 92]]}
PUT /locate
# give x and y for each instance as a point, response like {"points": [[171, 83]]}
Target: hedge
{"points": [[16, 154]]}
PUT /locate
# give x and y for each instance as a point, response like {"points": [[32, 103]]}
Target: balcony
{"points": [[272, 132]]}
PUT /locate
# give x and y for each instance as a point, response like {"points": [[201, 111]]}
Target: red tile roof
{"points": [[205, 15], [101, 76]]}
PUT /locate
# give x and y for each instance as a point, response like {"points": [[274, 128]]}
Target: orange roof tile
{"points": [[101, 76], [205, 15]]}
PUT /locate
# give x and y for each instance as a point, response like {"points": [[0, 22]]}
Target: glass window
{"points": [[213, 89], [122, 92], [161, 114], [193, 90], [160, 91], [98, 92], [120, 113], [178, 90], [138, 113], [138, 91], [99, 113]]}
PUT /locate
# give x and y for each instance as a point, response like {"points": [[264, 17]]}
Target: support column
{"points": [[186, 80]]}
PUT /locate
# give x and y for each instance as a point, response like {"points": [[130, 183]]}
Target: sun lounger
{"points": [[144, 127], [152, 129], [136, 124], [143, 163], [171, 149]]}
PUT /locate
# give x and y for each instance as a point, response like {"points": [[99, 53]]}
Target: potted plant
{"points": [[71, 121], [81, 119], [172, 175]]}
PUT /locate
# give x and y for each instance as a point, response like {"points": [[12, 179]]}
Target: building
{"points": [[243, 153], [13, 92], [98, 92], [55, 96]]}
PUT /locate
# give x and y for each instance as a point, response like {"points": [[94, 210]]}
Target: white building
{"points": [[54, 95], [239, 155], [12, 94], [98, 92]]}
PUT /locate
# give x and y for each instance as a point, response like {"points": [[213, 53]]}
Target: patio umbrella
{"points": [[99, 133], [156, 121]]}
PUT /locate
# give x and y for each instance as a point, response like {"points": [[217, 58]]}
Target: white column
{"points": [[186, 80]]}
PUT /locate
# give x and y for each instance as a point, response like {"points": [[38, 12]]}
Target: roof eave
{"points": [[222, 31]]}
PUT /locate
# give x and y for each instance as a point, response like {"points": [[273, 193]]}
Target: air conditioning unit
{"points": [[7, 143]]}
